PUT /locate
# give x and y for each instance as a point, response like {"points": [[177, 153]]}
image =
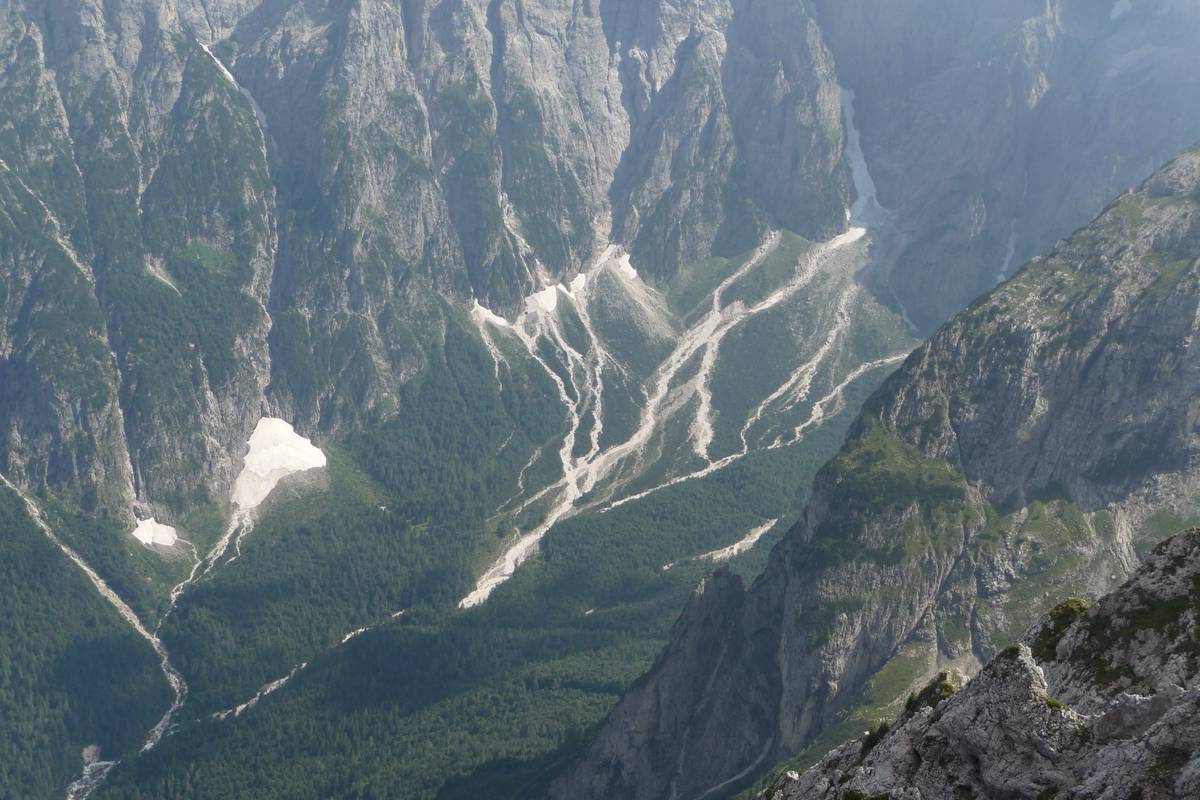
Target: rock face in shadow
{"points": [[995, 128], [1020, 456]]}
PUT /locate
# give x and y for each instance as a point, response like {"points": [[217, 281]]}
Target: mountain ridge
{"points": [[1092, 702], [969, 489]]}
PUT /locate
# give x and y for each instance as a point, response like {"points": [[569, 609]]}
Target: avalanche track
{"points": [[598, 478]]}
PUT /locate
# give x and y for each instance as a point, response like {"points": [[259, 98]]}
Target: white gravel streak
{"points": [[539, 319], [55, 226], [821, 412], [744, 545], [96, 772], [225, 73], [582, 475], [267, 689]]}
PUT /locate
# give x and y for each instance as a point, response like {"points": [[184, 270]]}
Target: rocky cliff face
{"points": [[212, 210], [1027, 452], [1098, 702], [333, 173], [341, 170], [138, 177], [1002, 126]]}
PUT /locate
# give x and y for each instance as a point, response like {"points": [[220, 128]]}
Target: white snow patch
{"points": [[616, 258], [151, 532], [1120, 9], [276, 451]]}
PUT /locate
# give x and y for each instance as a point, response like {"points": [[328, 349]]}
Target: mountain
{"points": [[1030, 450], [389, 361], [326, 172], [994, 128], [1093, 702]]}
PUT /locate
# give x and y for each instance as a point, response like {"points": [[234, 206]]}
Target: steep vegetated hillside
{"points": [[1031, 450], [574, 300], [72, 672]]}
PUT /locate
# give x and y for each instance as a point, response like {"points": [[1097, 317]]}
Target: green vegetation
{"points": [[402, 521], [692, 284], [1108, 636], [441, 702], [878, 470], [874, 737], [943, 687], [770, 273], [1061, 617], [72, 672], [467, 141], [1161, 525], [546, 194]]}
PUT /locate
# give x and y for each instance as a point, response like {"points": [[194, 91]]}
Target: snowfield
{"points": [[276, 451], [151, 532]]}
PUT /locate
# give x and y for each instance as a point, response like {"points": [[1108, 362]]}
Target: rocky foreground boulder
{"points": [[1099, 703]]}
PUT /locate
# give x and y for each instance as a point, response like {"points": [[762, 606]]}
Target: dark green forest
{"points": [[441, 703], [72, 672]]}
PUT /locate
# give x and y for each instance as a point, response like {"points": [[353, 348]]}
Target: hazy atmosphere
{"points": [[599, 399]]}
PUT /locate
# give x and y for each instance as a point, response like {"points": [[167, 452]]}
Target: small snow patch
{"points": [[276, 451], [150, 532]]}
